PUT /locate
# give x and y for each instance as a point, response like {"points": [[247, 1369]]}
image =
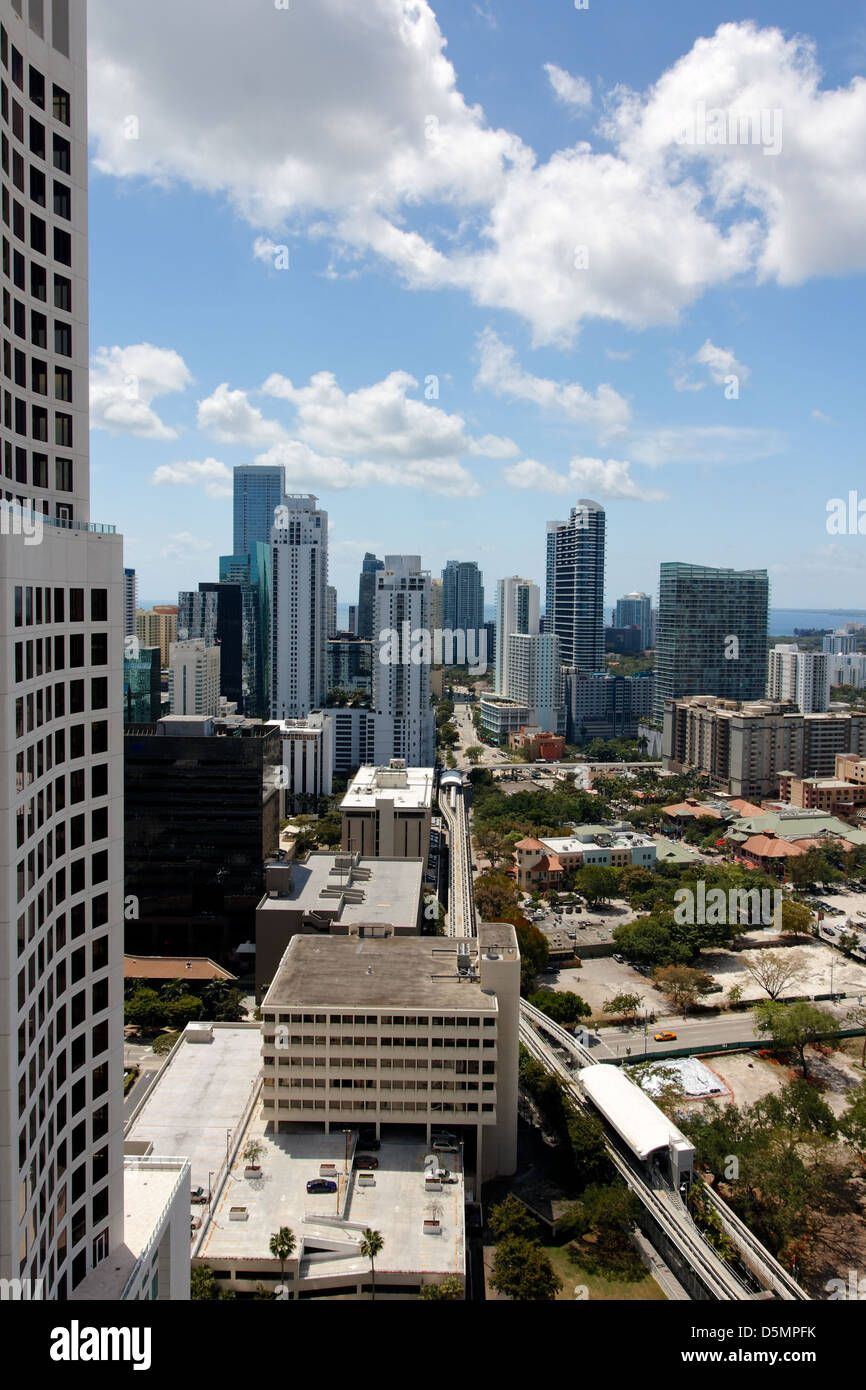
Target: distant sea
{"points": [[784, 621]]}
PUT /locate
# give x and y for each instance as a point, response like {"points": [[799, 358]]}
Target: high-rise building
{"points": [[194, 678], [202, 814], [331, 613], [61, 762], [130, 602], [350, 664], [436, 614], [299, 549], [847, 669], [142, 685], [353, 619], [404, 722], [635, 610], [258, 491], [215, 615], [803, 677], [712, 633], [535, 678], [157, 627], [600, 704], [575, 585], [366, 588], [462, 611], [839, 643], [252, 573], [518, 603]]}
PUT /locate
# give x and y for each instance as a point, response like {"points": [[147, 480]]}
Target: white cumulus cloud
{"points": [[123, 383], [215, 476], [605, 411], [607, 478]]}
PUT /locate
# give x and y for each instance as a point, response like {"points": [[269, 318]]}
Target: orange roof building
{"points": [[173, 968]]}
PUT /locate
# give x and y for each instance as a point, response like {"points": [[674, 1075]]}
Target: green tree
{"points": [[796, 918], [282, 1247], [145, 1009], [597, 883], [562, 1006], [522, 1271], [607, 1213], [622, 1004], [202, 1285], [682, 985], [586, 1139], [372, 1243], [451, 1289], [792, 1027], [183, 1010], [511, 1219]]}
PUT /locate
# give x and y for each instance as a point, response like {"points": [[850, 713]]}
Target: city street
{"points": [[696, 1032]]}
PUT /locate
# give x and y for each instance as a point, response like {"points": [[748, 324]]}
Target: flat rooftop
{"points": [[199, 1096], [339, 973], [391, 892], [603, 839], [147, 1190], [410, 789], [396, 1204]]}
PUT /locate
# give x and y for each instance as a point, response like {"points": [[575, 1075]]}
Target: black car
{"points": [[321, 1185], [369, 1145]]}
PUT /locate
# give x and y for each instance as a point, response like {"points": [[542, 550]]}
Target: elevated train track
{"points": [[670, 1216]]}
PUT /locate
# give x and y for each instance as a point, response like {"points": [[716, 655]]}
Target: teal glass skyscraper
{"points": [[712, 633]]}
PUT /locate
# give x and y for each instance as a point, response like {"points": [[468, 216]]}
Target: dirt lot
{"points": [[848, 976]]}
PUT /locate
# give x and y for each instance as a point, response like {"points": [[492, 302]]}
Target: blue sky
{"points": [[513, 214]]}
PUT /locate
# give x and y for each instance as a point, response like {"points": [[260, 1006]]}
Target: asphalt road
{"points": [[698, 1032]]}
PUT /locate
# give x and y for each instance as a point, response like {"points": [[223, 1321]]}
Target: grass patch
{"points": [[130, 1076], [602, 1287]]}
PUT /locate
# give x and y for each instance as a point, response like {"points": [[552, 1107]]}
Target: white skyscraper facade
{"points": [[535, 678], [61, 677], [800, 676], [299, 548], [194, 678], [518, 606], [404, 720]]}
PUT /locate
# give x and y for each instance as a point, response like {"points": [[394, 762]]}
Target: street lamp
{"points": [[228, 1137], [209, 1177], [347, 1133]]}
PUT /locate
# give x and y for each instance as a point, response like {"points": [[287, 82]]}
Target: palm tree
{"points": [[282, 1247], [371, 1246]]}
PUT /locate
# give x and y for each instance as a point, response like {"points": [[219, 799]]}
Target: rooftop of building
{"points": [[597, 837], [402, 973], [149, 1187], [794, 822], [392, 1200], [409, 788], [200, 1096], [370, 890], [173, 968]]}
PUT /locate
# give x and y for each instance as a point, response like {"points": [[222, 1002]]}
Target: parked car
{"points": [[198, 1197], [366, 1161], [618, 958], [445, 1146], [321, 1185], [370, 1145]]}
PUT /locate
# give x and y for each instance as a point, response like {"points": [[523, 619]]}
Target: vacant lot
{"points": [[820, 963], [602, 978]]}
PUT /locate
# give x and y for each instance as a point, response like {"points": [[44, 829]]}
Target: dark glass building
{"points": [[201, 816], [142, 685]]}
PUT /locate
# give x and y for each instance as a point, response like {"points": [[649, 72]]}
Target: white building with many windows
{"points": [[299, 612], [62, 626], [404, 720], [194, 678]]}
